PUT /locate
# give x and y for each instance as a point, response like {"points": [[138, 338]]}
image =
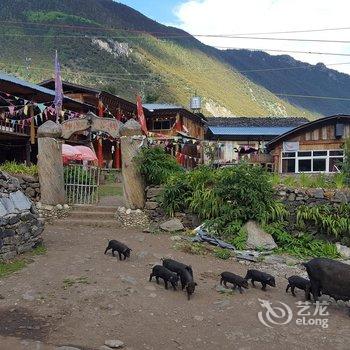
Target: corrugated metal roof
{"points": [[156, 106], [231, 131]]}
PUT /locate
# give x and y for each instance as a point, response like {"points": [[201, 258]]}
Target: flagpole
{"points": [[58, 102]]}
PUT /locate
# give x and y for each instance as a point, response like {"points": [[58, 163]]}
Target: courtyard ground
{"points": [[74, 295]]}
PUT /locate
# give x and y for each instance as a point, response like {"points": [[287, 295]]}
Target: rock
{"points": [[59, 206], [104, 347], [291, 261], [65, 206], [318, 193], [151, 205], [39, 205], [129, 279], [114, 344], [3, 210], [154, 192], [258, 238], [128, 211], [275, 259], [176, 238], [343, 250], [153, 295], [20, 201], [142, 254], [67, 348], [199, 318], [30, 295], [172, 225]]}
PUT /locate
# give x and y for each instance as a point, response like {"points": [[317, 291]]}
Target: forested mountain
{"points": [[105, 44], [284, 75]]}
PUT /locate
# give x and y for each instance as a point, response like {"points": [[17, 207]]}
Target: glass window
{"points": [[335, 164], [288, 154], [319, 153], [304, 165], [288, 166], [319, 164], [304, 154], [336, 153]]}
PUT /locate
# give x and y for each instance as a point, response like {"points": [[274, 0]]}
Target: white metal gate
{"points": [[81, 184]]}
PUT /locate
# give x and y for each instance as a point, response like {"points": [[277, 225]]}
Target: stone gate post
{"points": [[134, 186], [50, 164]]}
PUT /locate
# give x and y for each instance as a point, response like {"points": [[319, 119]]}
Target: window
{"points": [[161, 124], [312, 161]]}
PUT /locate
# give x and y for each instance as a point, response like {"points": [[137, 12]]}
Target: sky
{"points": [[231, 17]]}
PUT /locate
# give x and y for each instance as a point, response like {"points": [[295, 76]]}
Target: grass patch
{"points": [[221, 253], [191, 248], [7, 268], [69, 282], [17, 168], [110, 190]]}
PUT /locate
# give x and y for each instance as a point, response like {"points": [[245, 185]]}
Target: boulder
{"points": [[343, 250], [153, 192], [258, 238], [114, 343], [151, 205], [172, 225]]}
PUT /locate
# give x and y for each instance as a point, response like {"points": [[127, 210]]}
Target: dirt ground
{"points": [[75, 295]]}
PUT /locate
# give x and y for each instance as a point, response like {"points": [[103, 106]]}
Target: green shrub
{"points": [[19, 168], [303, 246], [328, 220], [175, 195], [156, 166], [221, 253]]}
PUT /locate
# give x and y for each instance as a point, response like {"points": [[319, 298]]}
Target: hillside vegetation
{"points": [[108, 45], [283, 74]]}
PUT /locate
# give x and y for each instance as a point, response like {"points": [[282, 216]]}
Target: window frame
{"points": [[296, 157]]}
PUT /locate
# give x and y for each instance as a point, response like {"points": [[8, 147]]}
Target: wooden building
{"points": [[239, 138], [21, 112], [183, 130], [313, 147]]}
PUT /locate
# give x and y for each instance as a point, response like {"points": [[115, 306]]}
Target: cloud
{"points": [[256, 16]]}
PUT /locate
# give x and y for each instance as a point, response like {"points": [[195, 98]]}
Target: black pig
{"points": [[236, 280], [187, 282], [330, 277], [262, 277], [176, 266], [166, 275], [299, 282], [119, 247]]}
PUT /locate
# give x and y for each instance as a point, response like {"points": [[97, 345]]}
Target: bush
{"points": [[156, 166], [346, 164], [19, 168]]}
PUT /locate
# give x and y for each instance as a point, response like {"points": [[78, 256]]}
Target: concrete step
{"points": [[96, 215], [88, 222], [94, 208]]}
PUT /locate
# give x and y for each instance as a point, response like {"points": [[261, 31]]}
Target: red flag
{"points": [[178, 126], [141, 115]]}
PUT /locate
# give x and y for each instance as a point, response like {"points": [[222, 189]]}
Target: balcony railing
{"points": [[9, 127]]}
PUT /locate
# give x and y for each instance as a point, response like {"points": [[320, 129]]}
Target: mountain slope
{"points": [[109, 45], [314, 80]]}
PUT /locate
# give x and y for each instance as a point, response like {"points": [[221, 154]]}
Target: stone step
{"points": [[95, 215], [94, 208], [73, 222]]}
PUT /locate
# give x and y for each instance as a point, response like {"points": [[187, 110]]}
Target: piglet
{"points": [[187, 282], [121, 248], [236, 280], [166, 275], [262, 277], [300, 283]]}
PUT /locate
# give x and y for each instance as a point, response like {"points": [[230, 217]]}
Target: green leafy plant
{"points": [[221, 253], [346, 164], [19, 168], [156, 166]]}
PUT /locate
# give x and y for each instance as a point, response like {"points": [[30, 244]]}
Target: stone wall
{"points": [[291, 197], [30, 186], [20, 225]]}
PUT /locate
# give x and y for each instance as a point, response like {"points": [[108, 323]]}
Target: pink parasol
{"points": [[87, 153], [70, 153]]}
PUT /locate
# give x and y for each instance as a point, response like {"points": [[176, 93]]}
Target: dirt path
{"points": [[75, 295]]}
